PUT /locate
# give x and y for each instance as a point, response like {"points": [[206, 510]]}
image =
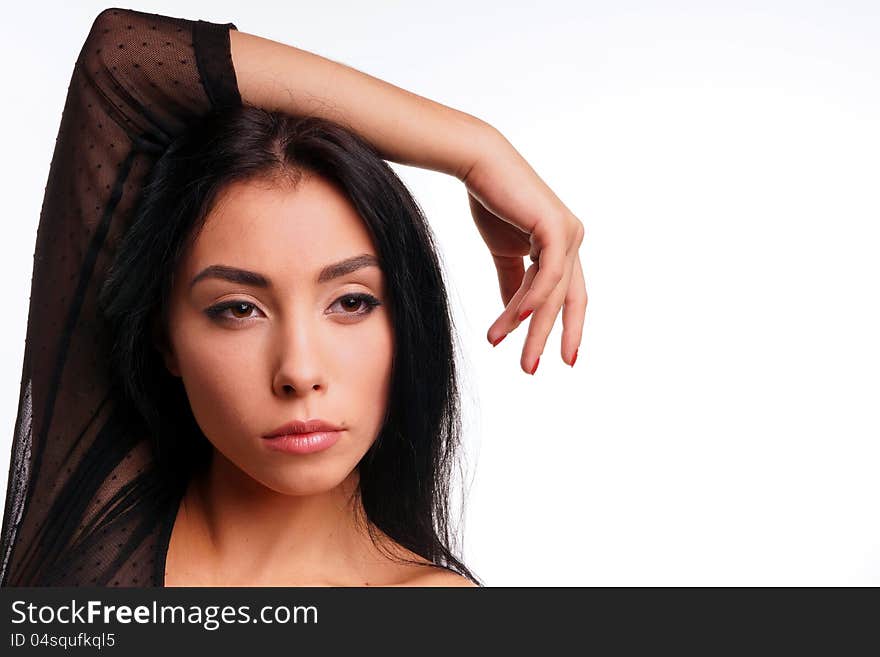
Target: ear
{"points": [[163, 346]]}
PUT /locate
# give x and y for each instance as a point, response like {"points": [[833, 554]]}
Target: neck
{"points": [[249, 533]]}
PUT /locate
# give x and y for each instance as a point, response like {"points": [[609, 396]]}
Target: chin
{"points": [[304, 481]]}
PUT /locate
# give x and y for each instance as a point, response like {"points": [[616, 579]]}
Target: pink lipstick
{"points": [[304, 443], [303, 436]]}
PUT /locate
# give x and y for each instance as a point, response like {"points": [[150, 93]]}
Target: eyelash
{"points": [[216, 312]]}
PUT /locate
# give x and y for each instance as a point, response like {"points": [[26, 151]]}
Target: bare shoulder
{"points": [[439, 577], [418, 571]]}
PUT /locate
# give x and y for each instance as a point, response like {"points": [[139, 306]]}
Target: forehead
{"points": [[280, 227]]}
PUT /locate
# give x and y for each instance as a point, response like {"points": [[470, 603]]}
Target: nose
{"points": [[298, 363]]}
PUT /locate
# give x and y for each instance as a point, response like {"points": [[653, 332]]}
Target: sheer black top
{"points": [[81, 508]]}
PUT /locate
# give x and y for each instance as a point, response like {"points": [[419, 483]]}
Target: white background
{"points": [[721, 424]]}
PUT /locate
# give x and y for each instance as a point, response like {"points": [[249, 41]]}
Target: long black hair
{"points": [[404, 478]]}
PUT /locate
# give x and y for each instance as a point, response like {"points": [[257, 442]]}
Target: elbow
{"points": [[106, 33], [106, 22]]}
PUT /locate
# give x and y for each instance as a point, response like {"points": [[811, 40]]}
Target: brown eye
{"points": [[243, 308], [351, 303], [357, 304], [234, 311]]}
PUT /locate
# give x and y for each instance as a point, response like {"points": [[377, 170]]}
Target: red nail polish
{"points": [[495, 344], [524, 315], [535, 368], [575, 357]]}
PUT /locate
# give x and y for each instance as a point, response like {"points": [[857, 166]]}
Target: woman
{"points": [[88, 501], [286, 275]]}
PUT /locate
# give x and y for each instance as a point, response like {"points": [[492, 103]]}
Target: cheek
{"points": [[218, 376], [364, 370]]}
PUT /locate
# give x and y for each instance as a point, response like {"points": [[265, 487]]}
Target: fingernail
{"points": [[495, 344], [524, 315], [575, 357], [535, 368]]}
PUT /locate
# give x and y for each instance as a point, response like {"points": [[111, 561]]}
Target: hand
{"points": [[518, 215]]}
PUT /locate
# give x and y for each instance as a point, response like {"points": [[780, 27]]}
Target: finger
{"points": [[510, 276], [542, 323], [573, 310], [507, 321], [553, 266]]}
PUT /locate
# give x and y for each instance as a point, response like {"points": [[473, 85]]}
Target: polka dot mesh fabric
{"points": [[83, 505]]}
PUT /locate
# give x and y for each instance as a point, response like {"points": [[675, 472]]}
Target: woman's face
{"points": [[303, 345]]}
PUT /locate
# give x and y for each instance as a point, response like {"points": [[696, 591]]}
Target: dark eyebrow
{"points": [[253, 279]]}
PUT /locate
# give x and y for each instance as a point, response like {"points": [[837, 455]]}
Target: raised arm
{"points": [[516, 213], [404, 127], [79, 510]]}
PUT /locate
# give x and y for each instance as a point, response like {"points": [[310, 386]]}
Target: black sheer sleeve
{"points": [[80, 510]]}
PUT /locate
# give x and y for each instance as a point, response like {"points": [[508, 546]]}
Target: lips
{"points": [[303, 427]]}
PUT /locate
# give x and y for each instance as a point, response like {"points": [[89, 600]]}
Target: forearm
{"points": [[404, 127]]}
